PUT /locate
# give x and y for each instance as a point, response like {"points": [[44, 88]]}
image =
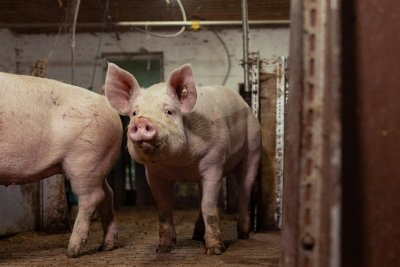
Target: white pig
{"points": [[48, 127], [180, 132]]}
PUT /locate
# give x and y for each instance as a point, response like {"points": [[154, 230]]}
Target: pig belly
{"points": [[28, 153], [190, 172], [175, 173], [18, 177]]}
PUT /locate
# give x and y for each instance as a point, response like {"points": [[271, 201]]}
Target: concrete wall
{"points": [[202, 49], [19, 208], [18, 204], [8, 42]]}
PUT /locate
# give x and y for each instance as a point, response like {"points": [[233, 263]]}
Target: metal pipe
{"points": [[73, 41], [152, 24], [245, 25]]}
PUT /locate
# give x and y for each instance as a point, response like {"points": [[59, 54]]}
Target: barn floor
{"points": [[136, 245]]}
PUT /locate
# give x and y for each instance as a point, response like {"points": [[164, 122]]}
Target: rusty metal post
{"points": [[320, 154], [290, 216], [312, 133], [314, 156]]}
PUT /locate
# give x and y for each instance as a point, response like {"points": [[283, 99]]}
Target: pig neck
{"points": [[202, 136]]}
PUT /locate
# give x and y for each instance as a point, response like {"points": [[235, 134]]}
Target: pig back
{"points": [[41, 120], [223, 120]]}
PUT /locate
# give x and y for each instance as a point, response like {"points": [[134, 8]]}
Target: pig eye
{"points": [[134, 113], [168, 112]]}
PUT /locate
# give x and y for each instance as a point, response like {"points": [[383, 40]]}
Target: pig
{"points": [[182, 132], [48, 127]]}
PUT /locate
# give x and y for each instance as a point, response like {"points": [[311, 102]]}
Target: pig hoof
{"points": [[106, 247], [163, 249], [214, 251], [74, 254]]}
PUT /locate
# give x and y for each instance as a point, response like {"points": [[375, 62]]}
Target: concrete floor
{"points": [[136, 245]]}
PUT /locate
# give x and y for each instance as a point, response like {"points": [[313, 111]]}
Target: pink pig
{"points": [[180, 132], [48, 127]]}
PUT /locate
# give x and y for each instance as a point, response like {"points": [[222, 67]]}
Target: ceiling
{"points": [[48, 15]]}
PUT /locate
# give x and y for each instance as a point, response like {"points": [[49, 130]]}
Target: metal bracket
{"points": [[254, 62]]}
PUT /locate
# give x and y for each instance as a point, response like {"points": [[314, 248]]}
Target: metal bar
{"points": [[152, 24], [312, 239], [73, 42], [245, 25], [290, 216], [280, 132], [255, 82]]}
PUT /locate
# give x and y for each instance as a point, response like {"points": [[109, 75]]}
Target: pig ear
{"points": [[120, 88], [181, 84]]}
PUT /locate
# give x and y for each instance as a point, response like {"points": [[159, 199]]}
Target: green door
{"points": [[147, 71]]}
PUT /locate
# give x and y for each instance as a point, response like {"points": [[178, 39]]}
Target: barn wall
{"points": [[19, 203], [202, 49], [19, 208], [8, 51]]}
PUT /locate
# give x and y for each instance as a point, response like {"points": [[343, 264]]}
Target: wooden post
{"points": [[266, 188]]}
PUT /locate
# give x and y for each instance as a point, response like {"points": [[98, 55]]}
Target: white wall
{"points": [[8, 50], [202, 49], [18, 204]]}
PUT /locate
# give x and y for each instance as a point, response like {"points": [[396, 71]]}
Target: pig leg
{"points": [[211, 184], [87, 175], [247, 171], [108, 218], [163, 192], [88, 201]]}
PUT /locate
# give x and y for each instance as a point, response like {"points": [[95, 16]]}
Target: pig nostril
{"points": [[148, 128], [135, 129]]}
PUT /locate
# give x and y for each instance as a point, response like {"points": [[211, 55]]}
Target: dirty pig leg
{"points": [[209, 207], [108, 220], [199, 228], [163, 192], [249, 169], [87, 204]]}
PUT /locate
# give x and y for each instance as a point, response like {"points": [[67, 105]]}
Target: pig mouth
{"points": [[148, 147]]}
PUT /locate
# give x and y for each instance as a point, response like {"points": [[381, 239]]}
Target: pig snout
{"points": [[142, 129]]}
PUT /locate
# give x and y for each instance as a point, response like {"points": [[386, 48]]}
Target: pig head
{"points": [[48, 127], [181, 132]]}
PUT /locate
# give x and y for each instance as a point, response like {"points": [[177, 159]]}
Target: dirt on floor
{"points": [[137, 242]]}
